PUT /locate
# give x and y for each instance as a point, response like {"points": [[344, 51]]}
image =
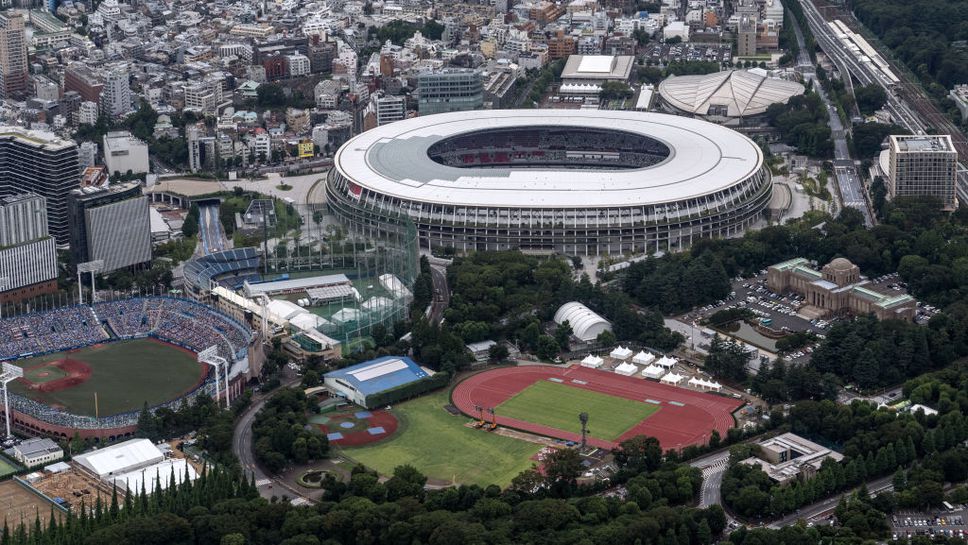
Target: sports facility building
{"points": [[361, 382], [575, 182], [726, 95]]}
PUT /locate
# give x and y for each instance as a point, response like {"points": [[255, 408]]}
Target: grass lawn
{"points": [[7, 467], [124, 374], [558, 405], [441, 447]]}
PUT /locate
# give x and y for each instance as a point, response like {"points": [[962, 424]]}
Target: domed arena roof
{"points": [[735, 93]]}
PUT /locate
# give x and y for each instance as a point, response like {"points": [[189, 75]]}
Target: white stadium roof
{"points": [[741, 93], [393, 160]]}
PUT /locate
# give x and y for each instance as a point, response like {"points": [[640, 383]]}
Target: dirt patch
{"points": [[354, 428], [75, 372]]}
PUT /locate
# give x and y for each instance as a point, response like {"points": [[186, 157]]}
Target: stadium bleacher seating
{"points": [[179, 321]]}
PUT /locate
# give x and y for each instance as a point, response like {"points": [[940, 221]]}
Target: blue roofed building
{"points": [[363, 381]]}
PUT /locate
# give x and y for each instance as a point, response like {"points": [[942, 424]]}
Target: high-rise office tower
{"points": [[110, 224], [28, 255], [13, 56], [40, 162]]}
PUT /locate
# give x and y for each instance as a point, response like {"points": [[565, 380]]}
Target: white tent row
{"points": [[592, 361], [667, 362], [653, 372], [705, 384], [626, 369], [672, 378], [643, 358], [621, 353]]}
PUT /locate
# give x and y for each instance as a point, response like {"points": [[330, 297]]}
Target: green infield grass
{"points": [[558, 405], [124, 374], [441, 447]]}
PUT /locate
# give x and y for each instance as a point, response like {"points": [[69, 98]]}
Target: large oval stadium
{"points": [[569, 181]]}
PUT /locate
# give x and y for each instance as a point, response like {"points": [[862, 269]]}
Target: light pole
{"points": [[211, 357], [10, 373], [88, 267]]}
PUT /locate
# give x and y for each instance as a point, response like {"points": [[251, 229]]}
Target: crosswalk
{"points": [[716, 467]]}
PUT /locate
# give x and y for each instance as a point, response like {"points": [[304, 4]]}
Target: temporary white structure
{"points": [[643, 358], [592, 361], [653, 372], [626, 369], [585, 324], [672, 378], [705, 384], [667, 362], [621, 353]]}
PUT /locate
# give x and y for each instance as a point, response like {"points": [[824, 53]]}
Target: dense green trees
{"points": [[870, 98], [678, 282], [279, 432], [926, 40], [727, 359], [867, 138], [802, 122]]}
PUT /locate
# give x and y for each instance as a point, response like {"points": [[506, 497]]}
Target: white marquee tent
{"points": [[592, 361], [705, 384], [672, 378], [653, 372], [643, 358], [621, 353], [667, 362], [626, 369]]}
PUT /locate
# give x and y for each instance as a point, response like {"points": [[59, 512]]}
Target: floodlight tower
{"points": [[211, 357], [88, 267], [10, 373], [583, 418]]}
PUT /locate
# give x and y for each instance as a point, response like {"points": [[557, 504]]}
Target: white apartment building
{"points": [[116, 96], [298, 65], [922, 165], [87, 113]]}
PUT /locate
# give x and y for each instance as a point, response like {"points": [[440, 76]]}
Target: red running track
{"points": [[674, 426]]}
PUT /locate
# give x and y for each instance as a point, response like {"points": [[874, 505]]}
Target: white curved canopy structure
{"points": [[585, 324], [736, 93]]}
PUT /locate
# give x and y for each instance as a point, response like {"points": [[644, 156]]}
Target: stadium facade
{"points": [[574, 182]]}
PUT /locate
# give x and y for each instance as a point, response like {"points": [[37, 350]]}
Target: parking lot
{"points": [[773, 310], [892, 282], [664, 53], [908, 524]]}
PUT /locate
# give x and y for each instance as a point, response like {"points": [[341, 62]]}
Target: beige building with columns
{"points": [[838, 288]]}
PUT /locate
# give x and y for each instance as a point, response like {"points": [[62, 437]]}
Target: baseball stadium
{"points": [[90, 369], [575, 182]]}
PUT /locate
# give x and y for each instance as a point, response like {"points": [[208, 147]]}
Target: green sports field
{"points": [[442, 447], [558, 405], [124, 374]]}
